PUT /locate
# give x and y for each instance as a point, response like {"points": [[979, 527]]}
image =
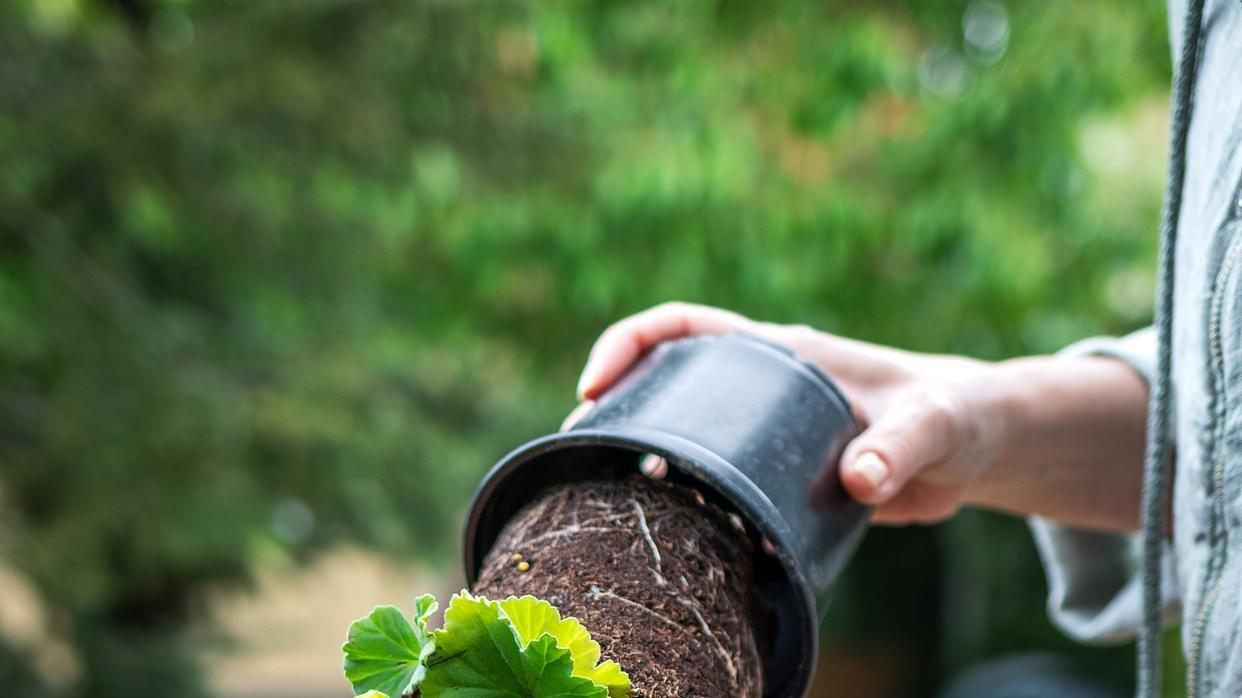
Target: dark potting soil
{"points": [[659, 578]]}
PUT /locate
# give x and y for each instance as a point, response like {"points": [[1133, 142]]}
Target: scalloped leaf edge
{"points": [[381, 649]]}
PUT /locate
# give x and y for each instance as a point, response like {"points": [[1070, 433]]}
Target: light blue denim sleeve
{"points": [[1094, 585]]}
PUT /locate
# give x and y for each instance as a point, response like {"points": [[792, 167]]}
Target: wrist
{"points": [[1070, 436], [1000, 407]]}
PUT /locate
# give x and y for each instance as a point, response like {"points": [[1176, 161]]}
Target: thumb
{"points": [[906, 439]]}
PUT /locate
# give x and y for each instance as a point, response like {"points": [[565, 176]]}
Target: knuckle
{"points": [[902, 450], [613, 330], [672, 307], [795, 336], [936, 411], [802, 332]]}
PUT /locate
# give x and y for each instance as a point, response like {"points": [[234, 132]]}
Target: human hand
{"points": [[929, 427]]}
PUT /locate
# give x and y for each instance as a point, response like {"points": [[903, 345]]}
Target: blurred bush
{"points": [[275, 275]]}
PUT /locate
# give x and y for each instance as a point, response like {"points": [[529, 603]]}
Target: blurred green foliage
{"points": [[275, 275]]}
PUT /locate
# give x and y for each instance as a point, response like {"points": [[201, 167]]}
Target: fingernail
{"points": [[587, 380], [872, 467]]}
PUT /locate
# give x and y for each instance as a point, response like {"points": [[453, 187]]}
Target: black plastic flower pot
{"points": [[748, 425]]}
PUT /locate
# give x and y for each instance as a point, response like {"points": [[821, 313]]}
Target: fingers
{"points": [[623, 343], [920, 432], [576, 414], [653, 466]]}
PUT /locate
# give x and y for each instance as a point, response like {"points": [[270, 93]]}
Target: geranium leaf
{"points": [[551, 671], [386, 652], [480, 654], [532, 618], [609, 675]]}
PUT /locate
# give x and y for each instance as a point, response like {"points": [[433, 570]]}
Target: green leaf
{"points": [[373, 694], [480, 654], [532, 618], [551, 668], [386, 653]]}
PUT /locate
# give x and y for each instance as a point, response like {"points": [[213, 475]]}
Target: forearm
{"points": [[1073, 441]]}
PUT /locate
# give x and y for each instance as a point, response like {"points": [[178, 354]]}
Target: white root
{"points": [[597, 593], [720, 648], [588, 526], [655, 550]]}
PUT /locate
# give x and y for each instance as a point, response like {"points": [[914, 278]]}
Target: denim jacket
{"points": [[1094, 591]]}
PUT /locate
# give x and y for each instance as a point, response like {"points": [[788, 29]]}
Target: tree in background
{"points": [[279, 275]]}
